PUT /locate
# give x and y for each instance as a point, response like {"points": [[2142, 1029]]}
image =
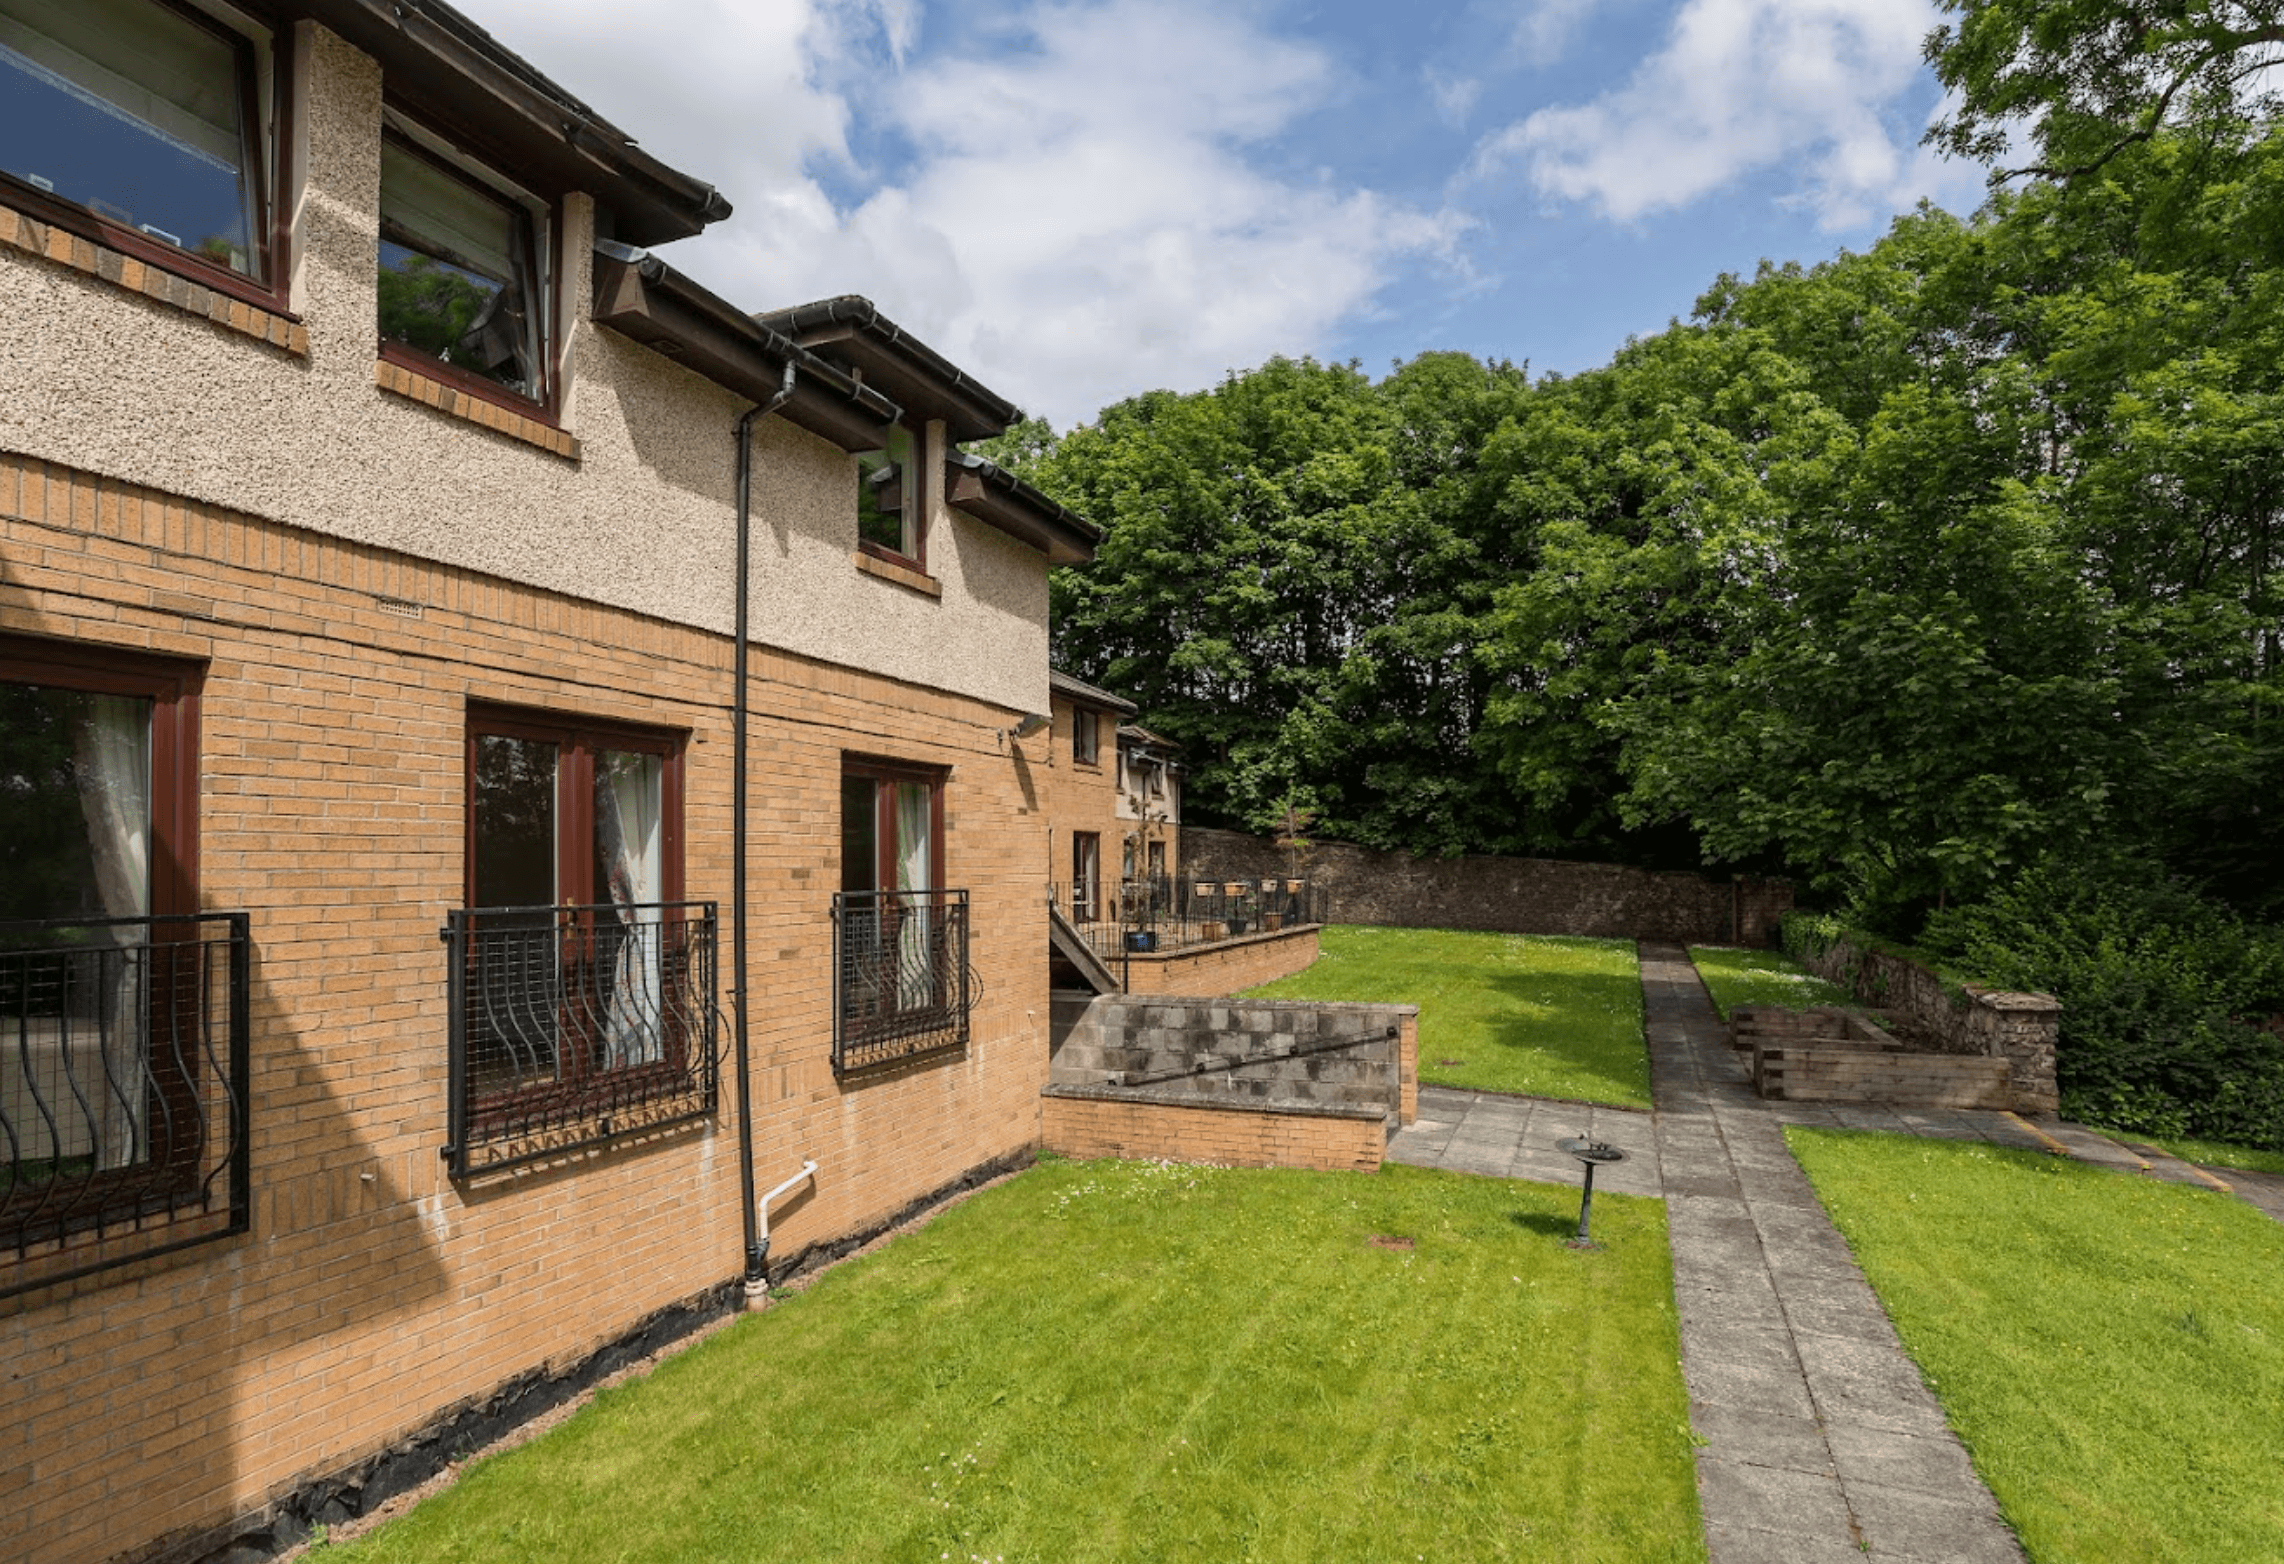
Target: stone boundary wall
{"points": [[1504, 895], [1100, 1121], [1830, 1070], [1224, 967], [2022, 1029]]}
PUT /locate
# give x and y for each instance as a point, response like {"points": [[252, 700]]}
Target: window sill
{"points": [[903, 575], [52, 242], [467, 406]]}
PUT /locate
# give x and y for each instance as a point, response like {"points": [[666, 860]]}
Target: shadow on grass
{"points": [[1542, 1222], [1590, 1021]]}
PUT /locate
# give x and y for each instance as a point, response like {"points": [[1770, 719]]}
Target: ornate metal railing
{"points": [[571, 1026], [900, 976], [1141, 916], [123, 1059]]}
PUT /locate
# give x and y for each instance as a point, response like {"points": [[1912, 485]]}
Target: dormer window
{"points": [[888, 498], [144, 125], [463, 280]]}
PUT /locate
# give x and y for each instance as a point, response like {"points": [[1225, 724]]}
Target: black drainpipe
{"points": [[756, 1252]]}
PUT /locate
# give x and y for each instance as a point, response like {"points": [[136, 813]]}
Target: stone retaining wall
{"points": [[2022, 1029], [1267, 1058], [1504, 895]]}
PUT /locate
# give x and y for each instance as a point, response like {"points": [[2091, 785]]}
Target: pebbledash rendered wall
{"points": [[1504, 895], [354, 558]]}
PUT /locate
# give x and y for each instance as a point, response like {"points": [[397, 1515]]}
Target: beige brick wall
{"points": [[1231, 1136], [1077, 797], [373, 1291], [1227, 967]]}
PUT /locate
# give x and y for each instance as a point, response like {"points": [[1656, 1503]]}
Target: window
{"points": [[121, 1043], [1157, 861], [889, 516], [899, 937], [1086, 731], [148, 126], [585, 982], [1086, 876], [463, 281]]}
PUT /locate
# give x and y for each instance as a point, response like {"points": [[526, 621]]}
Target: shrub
{"points": [[2160, 987]]}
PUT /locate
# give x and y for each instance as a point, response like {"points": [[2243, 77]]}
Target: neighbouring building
{"points": [[372, 498]]}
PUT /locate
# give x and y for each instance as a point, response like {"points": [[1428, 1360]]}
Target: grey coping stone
{"points": [[1772, 1498], [1901, 1522], [1762, 1439], [1916, 1462]]}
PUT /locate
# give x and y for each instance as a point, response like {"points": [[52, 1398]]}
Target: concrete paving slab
{"points": [[1737, 1545], [1773, 1498], [1763, 1439], [1909, 1524], [1912, 1462]]}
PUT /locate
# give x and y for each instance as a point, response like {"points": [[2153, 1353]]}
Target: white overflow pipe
{"points": [[758, 1286]]}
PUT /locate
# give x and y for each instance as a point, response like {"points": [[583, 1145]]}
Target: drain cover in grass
{"points": [[1391, 1241], [1450, 1064]]}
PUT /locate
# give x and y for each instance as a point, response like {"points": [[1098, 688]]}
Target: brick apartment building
{"points": [[1113, 792], [371, 512]]}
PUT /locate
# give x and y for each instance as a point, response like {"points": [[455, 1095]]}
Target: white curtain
{"points": [[629, 810], [111, 755], [915, 815]]}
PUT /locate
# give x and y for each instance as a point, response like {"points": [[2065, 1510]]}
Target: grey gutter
{"points": [[1078, 689]]}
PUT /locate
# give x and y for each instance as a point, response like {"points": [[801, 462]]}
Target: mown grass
{"points": [[1760, 977], [1538, 1015], [1118, 1361], [2110, 1348], [2212, 1153]]}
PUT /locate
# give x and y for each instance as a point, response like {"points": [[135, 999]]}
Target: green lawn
{"points": [[2110, 1348], [2210, 1153], [1760, 977], [1123, 1361], [1534, 1014]]}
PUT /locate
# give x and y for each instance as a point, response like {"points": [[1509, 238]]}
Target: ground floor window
{"points": [[118, 1093], [584, 977], [1086, 876], [900, 937]]}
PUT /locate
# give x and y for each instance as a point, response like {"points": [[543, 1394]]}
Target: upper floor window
{"points": [[888, 497], [1086, 737], [463, 280], [148, 125]]}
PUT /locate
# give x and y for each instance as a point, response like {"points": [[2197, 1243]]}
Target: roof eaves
{"points": [[1079, 690], [990, 493], [853, 314]]}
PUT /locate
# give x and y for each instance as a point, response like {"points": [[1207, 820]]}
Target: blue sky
{"points": [[1085, 199]]}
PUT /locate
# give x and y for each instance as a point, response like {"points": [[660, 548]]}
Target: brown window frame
{"points": [[577, 739], [1086, 888], [879, 769], [268, 289], [918, 503], [173, 687], [1086, 737], [547, 408]]}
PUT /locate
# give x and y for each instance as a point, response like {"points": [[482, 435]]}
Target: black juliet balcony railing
{"points": [[123, 1061], [573, 1026], [900, 976]]}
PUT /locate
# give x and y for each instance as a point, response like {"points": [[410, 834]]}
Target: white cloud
{"points": [[1740, 86], [1454, 96], [1082, 213], [1546, 27]]}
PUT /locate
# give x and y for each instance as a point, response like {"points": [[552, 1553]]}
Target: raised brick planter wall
{"points": [[1227, 966], [2022, 1029], [1504, 895], [1096, 1121]]}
